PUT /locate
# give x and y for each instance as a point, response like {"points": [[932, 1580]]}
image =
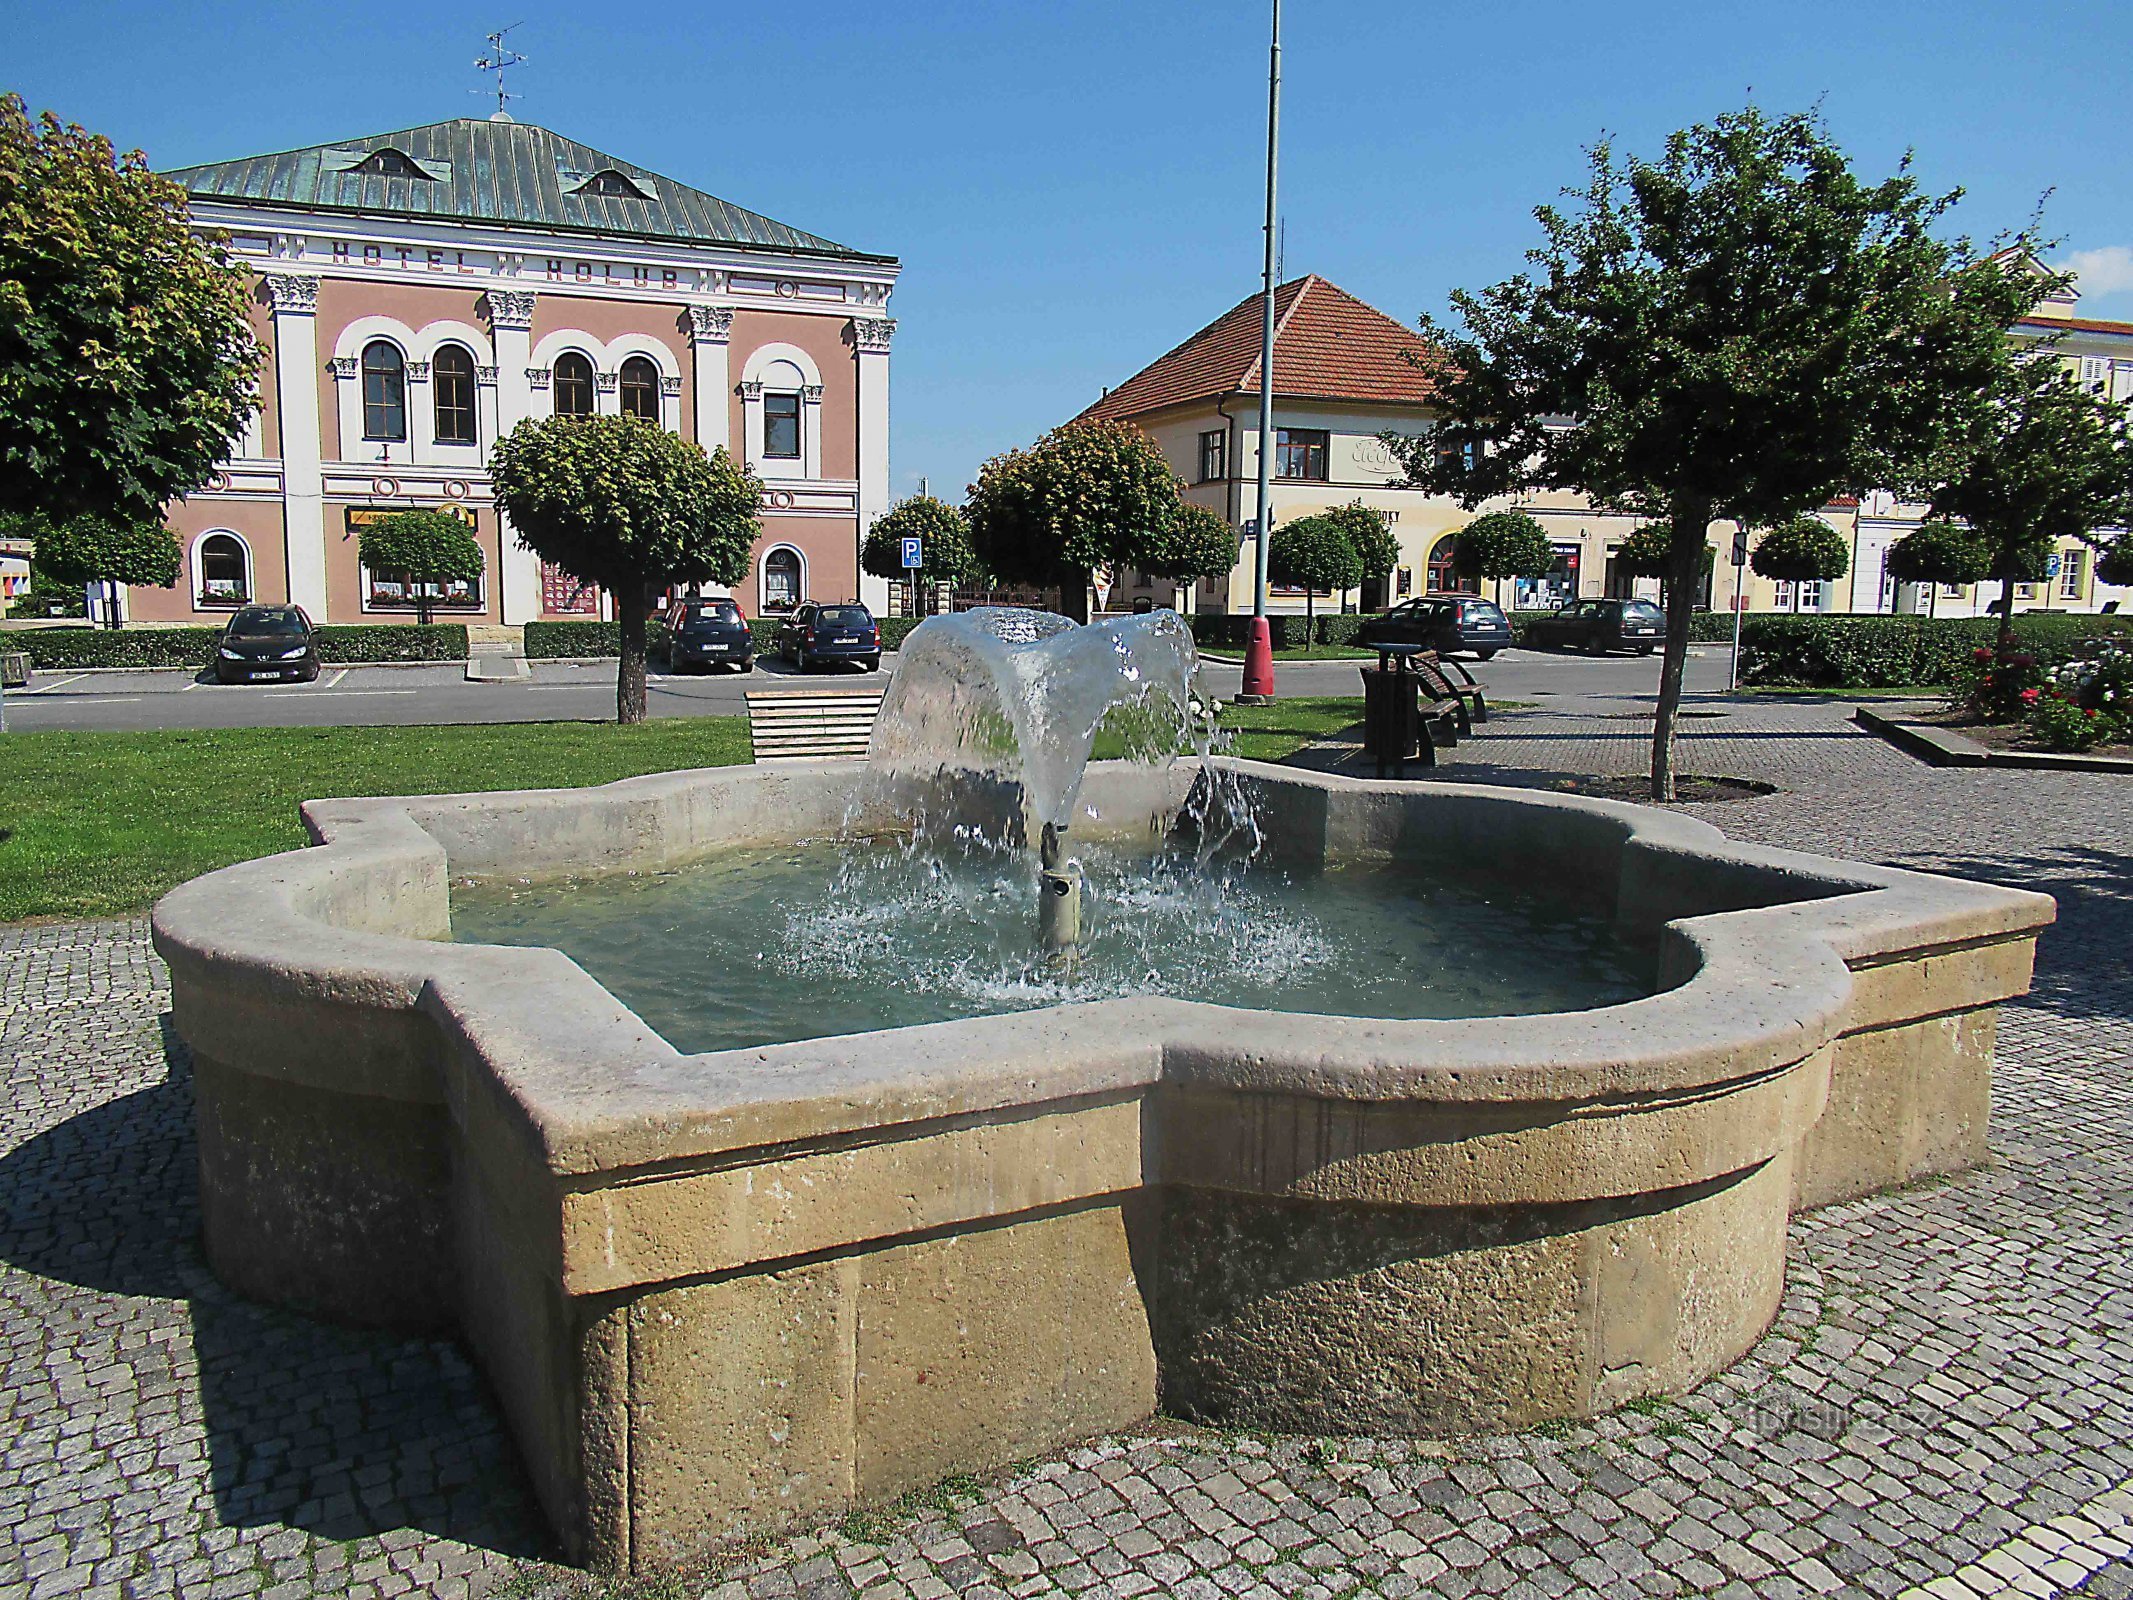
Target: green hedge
{"points": [[74, 649], [1705, 627], [1844, 652]]}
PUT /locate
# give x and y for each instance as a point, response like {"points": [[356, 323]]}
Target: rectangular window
{"points": [[455, 405], [2025, 591], [2071, 573], [1301, 453], [781, 427], [394, 591], [1214, 455]]}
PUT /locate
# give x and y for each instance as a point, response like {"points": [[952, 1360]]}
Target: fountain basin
{"points": [[717, 1293]]}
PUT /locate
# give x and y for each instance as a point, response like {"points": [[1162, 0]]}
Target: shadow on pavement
{"points": [[342, 1433]]}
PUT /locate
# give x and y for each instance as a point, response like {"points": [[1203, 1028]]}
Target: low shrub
{"points": [[1890, 652], [549, 641], [1340, 630], [2087, 701], [2060, 722], [79, 649], [1996, 690]]}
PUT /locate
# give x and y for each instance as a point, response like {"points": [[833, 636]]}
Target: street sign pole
{"points": [[1740, 570], [913, 554], [1259, 649]]}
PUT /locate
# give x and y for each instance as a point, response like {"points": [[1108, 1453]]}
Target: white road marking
{"points": [[2048, 1558], [345, 694], [336, 678], [49, 687]]}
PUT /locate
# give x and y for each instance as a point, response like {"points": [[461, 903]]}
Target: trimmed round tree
{"points": [[1203, 545], [1940, 552], [424, 546], [1801, 550], [127, 357], [622, 503], [1086, 496], [1377, 547], [1503, 544], [1313, 552], [89, 549], [944, 544]]}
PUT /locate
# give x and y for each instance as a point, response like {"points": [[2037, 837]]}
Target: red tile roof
{"points": [[2076, 325], [1328, 345]]}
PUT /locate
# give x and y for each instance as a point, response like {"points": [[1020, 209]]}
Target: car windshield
{"points": [[844, 617], [268, 625], [701, 613], [1480, 611]]}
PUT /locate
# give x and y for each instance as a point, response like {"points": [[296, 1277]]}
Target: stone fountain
{"points": [[718, 1291]]}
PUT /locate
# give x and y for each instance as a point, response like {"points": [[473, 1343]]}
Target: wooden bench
{"points": [[811, 724], [14, 668]]}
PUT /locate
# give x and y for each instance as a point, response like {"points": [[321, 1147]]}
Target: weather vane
{"points": [[497, 59]]}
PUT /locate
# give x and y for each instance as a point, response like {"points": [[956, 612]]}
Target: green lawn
{"points": [[93, 824], [1272, 733], [99, 824]]}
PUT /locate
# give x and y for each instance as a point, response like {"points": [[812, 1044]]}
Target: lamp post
{"points": [[1259, 648]]}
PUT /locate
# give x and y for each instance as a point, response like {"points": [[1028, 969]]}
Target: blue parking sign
{"points": [[912, 559]]}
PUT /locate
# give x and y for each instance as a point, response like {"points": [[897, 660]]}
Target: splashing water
{"points": [[1001, 695]]}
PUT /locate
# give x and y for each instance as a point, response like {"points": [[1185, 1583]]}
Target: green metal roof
{"points": [[470, 170]]}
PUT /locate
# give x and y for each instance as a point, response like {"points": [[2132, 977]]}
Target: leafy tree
{"points": [[424, 546], [89, 549], [127, 358], [1648, 553], [944, 544], [1801, 550], [1738, 329], [2115, 565], [1503, 544], [1086, 496], [1376, 545], [1313, 552], [622, 503], [1941, 552], [1203, 546], [2039, 459]]}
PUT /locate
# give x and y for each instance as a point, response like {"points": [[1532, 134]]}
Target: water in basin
{"points": [[752, 947]]}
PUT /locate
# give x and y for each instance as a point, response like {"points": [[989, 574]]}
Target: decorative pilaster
{"points": [[811, 431], [870, 354], [511, 392], [296, 391], [710, 336], [751, 423]]}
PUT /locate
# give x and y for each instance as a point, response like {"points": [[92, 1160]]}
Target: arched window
{"points": [[640, 388], [573, 385], [781, 579], [452, 380], [224, 579], [384, 391], [1442, 578]]}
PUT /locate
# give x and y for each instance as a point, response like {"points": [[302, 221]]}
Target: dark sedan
{"points": [[707, 633], [1600, 626], [817, 633], [1443, 623], [267, 642]]}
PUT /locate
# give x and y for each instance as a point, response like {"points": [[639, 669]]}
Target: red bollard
{"points": [[1258, 664]]}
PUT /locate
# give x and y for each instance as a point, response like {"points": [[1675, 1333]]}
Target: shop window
{"points": [[452, 386], [384, 392], [573, 385]]}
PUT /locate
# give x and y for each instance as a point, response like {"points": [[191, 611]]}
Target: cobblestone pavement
{"points": [[1946, 1398]]}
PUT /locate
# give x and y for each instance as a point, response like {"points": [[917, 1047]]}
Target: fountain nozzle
{"points": [[1058, 897]]}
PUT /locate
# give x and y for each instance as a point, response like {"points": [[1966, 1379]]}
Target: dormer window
{"points": [[612, 185], [390, 163]]}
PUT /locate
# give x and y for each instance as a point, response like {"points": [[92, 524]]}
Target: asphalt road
{"points": [[567, 692]]}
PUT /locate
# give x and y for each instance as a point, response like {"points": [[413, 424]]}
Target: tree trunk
{"points": [[1074, 596], [422, 610], [1310, 615], [1691, 523], [633, 605], [2003, 644]]}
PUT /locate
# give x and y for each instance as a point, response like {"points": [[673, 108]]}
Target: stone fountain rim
{"points": [[599, 1089]]}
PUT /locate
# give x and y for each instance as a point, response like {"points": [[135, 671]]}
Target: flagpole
{"points": [[1259, 649]]}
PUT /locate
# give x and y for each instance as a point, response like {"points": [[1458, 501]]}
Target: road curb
{"points": [[1943, 747]]}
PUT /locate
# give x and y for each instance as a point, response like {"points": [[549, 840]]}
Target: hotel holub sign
{"points": [[361, 517]]}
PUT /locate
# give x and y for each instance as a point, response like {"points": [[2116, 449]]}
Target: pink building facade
{"points": [[419, 293]]}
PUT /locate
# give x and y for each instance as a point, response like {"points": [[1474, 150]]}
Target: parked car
{"points": [[841, 632], [1600, 626], [1443, 623], [267, 642], [706, 632]]}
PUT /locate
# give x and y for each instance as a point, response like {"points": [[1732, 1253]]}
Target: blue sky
{"points": [[1074, 187]]}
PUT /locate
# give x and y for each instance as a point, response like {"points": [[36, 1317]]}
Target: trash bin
{"points": [[1392, 716]]}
